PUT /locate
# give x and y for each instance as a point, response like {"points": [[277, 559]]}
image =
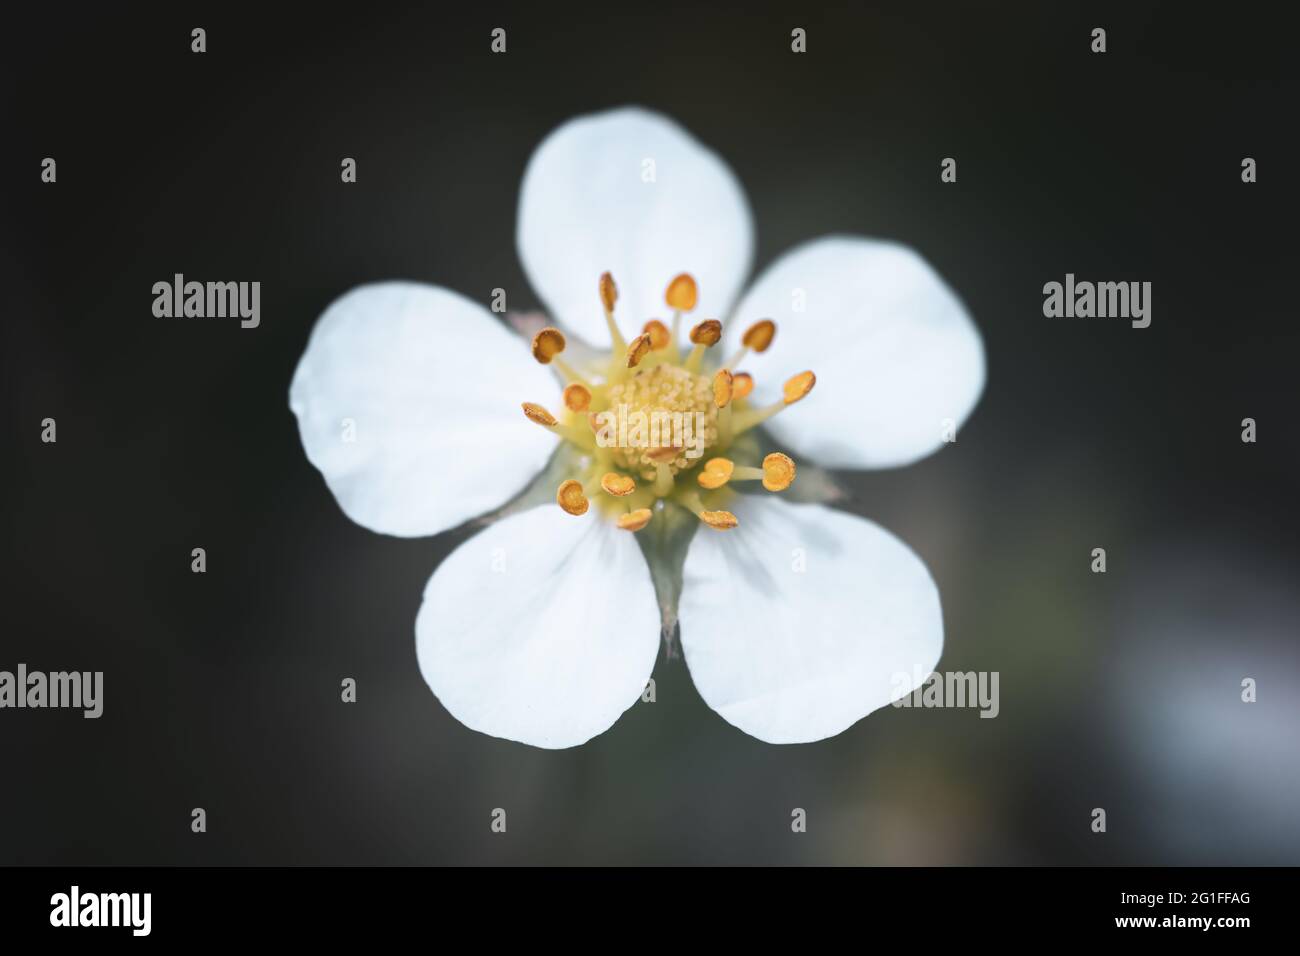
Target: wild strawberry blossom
{"points": [[544, 627]]}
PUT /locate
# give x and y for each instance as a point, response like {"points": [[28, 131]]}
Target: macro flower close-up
{"points": [[648, 460]]}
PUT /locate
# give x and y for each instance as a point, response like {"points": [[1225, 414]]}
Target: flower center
{"points": [[642, 418]]}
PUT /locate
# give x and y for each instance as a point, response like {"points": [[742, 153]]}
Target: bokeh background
{"points": [[1119, 690]]}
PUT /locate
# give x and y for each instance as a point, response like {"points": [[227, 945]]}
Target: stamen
{"points": [[536, 413], [637, 349], [617, 485], [794, 390], [658, 332], [571, 498], [778, 471], [608, 296], [577, 397], [635, 520], [757, 338], [716, 473], [741, 385], [704, 335]]}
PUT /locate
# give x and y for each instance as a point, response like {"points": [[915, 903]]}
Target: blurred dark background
{"points": [[1119, 690]]}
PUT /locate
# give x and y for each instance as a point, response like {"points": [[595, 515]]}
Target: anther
{"points": [[658, 332], [757, 338], [723, 387], [577, 397], [682, 293], [741, 385], [608, 296], [635, 520], [778, 471], [620, 486], [540, 415], [571, 497], [798, 386], [703, 335], [715, 473], [637, 349], [719, 520], [547, 344]]}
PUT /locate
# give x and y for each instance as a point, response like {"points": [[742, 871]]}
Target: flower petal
{"points": [[586, 207], [407, 399], [542, 628], [803, 620], [897, 356]]}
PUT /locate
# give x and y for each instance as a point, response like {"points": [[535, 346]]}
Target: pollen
{"points": [[571, 497], [577, 397], [539, 415], [635, 520], [547, 344], [759, 335], [620, 486], [682, 293], [778, 471], [799, 386], [716, 473]]}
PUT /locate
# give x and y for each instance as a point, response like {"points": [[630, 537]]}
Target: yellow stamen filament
{"points": [[547, 344], [658, 332], [723, 384], [704, 335], [571, 497], [799, 386], [778, 471], [794, 389], [716, 473], [577, 397], [682, 293], [741, 385], [637, 349], [635, 520], [540, 415], [608, 296], [617, 485]]}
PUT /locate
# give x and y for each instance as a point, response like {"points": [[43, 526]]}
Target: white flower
{"points": [[796, 619]]}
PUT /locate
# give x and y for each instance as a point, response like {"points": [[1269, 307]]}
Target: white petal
{"points": [[543, 628], [803, 620], [896, 355], [585, 208], [427, 386]]}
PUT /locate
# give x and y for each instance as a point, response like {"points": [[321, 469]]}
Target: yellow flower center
{"points": [[642, 419]]}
